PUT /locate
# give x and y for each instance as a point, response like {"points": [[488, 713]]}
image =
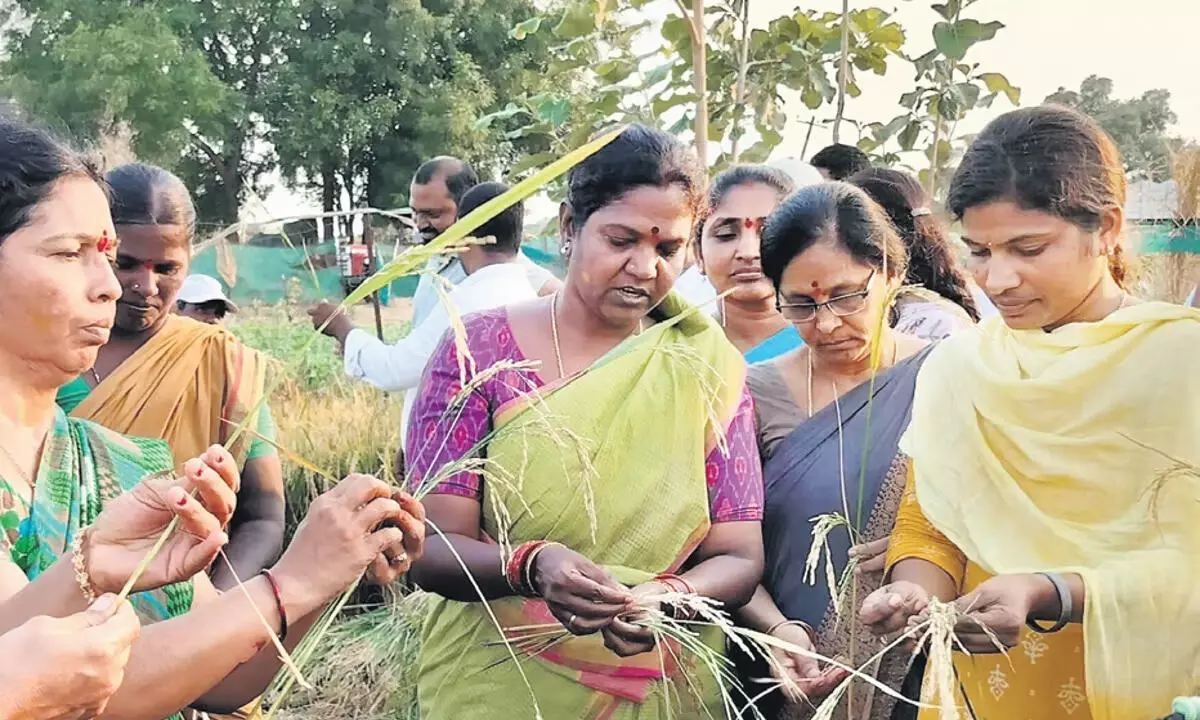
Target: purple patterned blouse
{"points": [[735, 487]]}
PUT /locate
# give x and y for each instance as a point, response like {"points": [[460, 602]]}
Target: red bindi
{"points": [[816, 286], [749, 223], [105, 243], [654, 232]]}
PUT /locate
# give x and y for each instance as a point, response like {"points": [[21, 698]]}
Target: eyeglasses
{"points": [[841, 306]]}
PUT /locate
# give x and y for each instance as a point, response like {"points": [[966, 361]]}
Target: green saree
{"points": [[610, 463], [83, 467]]}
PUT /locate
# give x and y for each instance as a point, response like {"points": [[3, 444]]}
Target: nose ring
{"points": [[137, 286]]}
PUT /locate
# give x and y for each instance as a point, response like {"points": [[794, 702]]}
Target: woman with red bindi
{"points": [[730, 255]]}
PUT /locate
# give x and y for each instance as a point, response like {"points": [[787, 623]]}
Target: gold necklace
{"points": [[16, 466], [4, 541], [554, 333]]}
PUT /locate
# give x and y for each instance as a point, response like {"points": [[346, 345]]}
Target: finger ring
{"points": [[399, 559], [571, 622]]}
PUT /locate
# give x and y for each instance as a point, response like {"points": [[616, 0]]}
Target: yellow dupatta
{"points": [[180, 386], [1026, 455], [647, 414]]}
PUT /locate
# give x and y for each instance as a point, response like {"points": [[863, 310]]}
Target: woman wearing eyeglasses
{"points": [[834, 260]]}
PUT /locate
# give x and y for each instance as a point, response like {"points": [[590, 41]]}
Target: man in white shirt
{"points": [[436, 192], [494, 278]]}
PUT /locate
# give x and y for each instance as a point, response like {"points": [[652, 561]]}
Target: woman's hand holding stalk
{"points": [[580, 594]]}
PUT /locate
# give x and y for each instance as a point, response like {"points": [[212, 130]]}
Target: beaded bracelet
{"points": [[80, 565], [283, 623]]}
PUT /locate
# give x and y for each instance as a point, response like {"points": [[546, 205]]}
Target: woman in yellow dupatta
{"points": [[1048, 490], [165, 376], [612, 421]]}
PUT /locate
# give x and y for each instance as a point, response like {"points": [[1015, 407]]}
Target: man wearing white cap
{"points": [[202, 298]]}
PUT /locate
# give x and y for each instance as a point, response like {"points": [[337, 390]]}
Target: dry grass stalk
{"points": [[534, 639], [491, 615], [282, 686], [1185, 170], [823, 525], [696, 365], [284, 657], [939, 641], [355, 671], [1168, 277]]}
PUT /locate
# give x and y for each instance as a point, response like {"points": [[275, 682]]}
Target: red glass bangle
{"points": [[515, 571], [283, 620], [676, 584]]}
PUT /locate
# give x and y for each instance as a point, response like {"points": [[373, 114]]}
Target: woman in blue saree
{"points": [[730, 251], [829, 420]]}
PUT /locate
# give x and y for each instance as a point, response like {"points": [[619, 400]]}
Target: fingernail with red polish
{"points": [[182, 500]]}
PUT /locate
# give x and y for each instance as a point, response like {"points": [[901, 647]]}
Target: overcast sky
{"points": [[1046, 44], [1139, 44]]}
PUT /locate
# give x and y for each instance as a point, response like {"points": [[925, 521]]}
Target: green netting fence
{"points": [[270, 275]]}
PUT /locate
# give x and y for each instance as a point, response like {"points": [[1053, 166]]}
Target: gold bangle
{"points": [[81, 571]]}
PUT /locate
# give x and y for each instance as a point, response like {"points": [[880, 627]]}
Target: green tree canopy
{"points": [[1140, 126], [344, 96]]}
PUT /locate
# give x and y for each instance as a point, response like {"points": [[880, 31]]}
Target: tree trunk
{"points": [[933, 165], [808, 136], [843, 71], [351, 198], [231, 187], [700, 73], [329, 198], [739, 93]]}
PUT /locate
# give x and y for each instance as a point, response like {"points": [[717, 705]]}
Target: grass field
{"points": [[365, 667]]}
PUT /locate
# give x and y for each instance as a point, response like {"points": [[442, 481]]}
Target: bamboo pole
{"points": [[369, 240]]}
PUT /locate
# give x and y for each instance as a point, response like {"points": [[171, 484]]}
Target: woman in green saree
{"points": [[619, 463], [61, 476]]}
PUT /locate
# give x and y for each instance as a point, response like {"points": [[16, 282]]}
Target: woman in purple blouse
{"points": [[588, 455]]}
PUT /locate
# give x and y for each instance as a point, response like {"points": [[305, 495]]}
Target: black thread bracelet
{"points": [[283, 624]]}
